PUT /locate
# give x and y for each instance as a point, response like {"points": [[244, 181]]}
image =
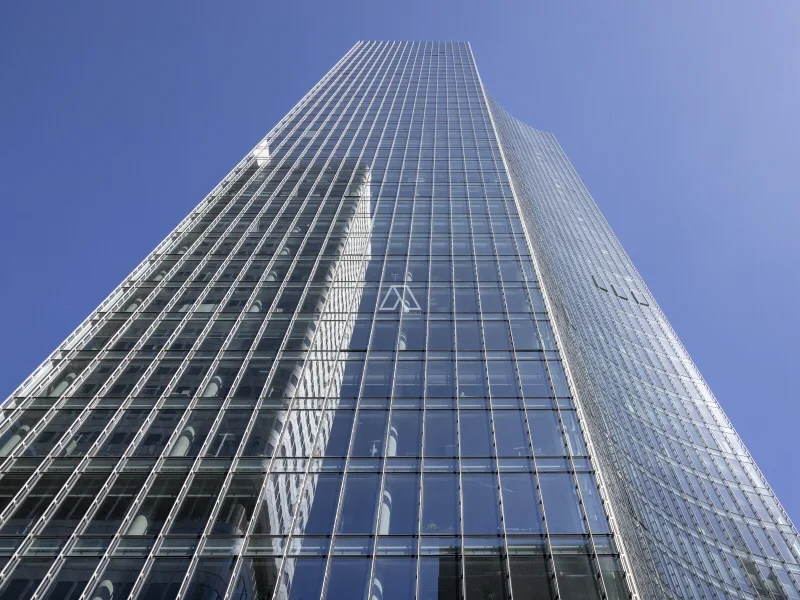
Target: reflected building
{"points": [[396, 353]]}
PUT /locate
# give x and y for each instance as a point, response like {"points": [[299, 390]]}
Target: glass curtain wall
{"points": [[337, 378]]}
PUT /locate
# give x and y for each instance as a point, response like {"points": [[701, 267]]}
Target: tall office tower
{"points": [[396, 353]]}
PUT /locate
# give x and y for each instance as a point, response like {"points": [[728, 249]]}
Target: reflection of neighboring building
{"points": [[317, 382]]}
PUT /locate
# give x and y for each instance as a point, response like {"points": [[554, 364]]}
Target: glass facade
{"points": [[695, 514], [346, 375]]}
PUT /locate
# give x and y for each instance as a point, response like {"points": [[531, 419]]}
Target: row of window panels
{"points": [[304, 400], [442, 84], [410, 370], [445, 577], [440, 304], [466, 433], [717, 492], [414, 334], [450, 130], [468, 136], [409, 114], [696, 480], [730, 532], [422, 222], [716, 471], [401, 203], [470, 140], [392, 269], [425, 249], [176, 545], [405, 153], [700, 432], [20, 470], [397, 504], [385, 333], [405, 382], [382, 141], [749, 502], [487, 297]]}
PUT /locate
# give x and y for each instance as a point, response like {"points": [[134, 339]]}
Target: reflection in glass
{"points": [[561, 507], [440, 504]]}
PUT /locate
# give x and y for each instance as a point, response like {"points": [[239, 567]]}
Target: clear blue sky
{"points": [[683, 118]]}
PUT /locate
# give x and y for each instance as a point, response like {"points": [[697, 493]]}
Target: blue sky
{"points": [[681, 117]]}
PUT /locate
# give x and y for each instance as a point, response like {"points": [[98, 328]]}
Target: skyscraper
{"points": [[397, 352]]}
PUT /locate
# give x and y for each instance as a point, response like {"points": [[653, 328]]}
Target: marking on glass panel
{"points": [[395, 297]]}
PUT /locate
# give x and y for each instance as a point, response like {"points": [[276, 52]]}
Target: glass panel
{"points": [[592, 503], [510, 433], [197, 505], [323, 491], [25, 579], [440, 504], [34, 505], [359, 506], [476, 433], [485, 577], [118, 578], [72, 578], [546, 433], [440, 578], [405, 433], [115, 506], [210, 579], [256, 580], [440, 433], [561, 506], [400, 505], [575, 577], [348, 578], [521, 503], [305, 578], [530, 577], [613, 577], [74, 506], [395, 578], [481, 504], [164, 579]]}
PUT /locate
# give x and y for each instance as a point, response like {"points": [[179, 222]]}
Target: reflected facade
{"points": [[350, 373]]}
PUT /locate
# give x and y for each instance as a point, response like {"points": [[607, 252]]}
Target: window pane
{"points": [[485, 577], [521, 503], [305, 582], [323, 491], [348, 578], [439, 578], [360, 504], [399, 505], [546, 433], [529, 577], [561, 503], [440, 504], [575, 578], [510, 434], [395, 578], [405, 433], [476, 433], [591, 502], [440, 433], [481, 504]]}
